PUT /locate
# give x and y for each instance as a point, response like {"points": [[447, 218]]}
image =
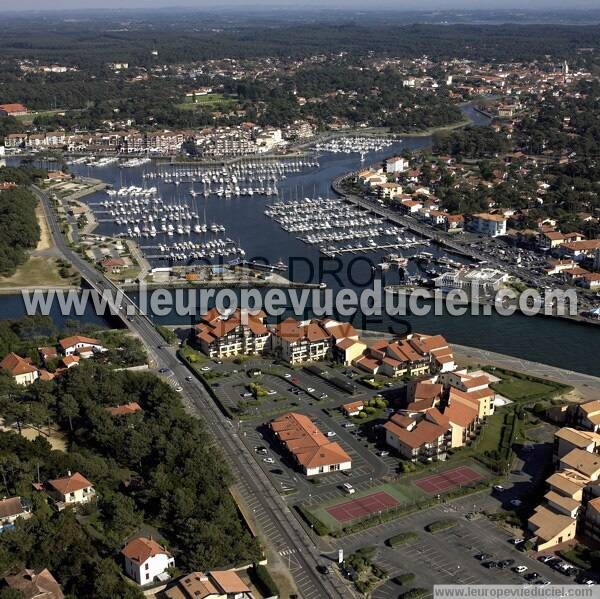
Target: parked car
{"points": [[532, 576], [330, 434], [348, 488], [384, 453], [483, 556], [546, 558], [520, 569], [349, 425], [498, 488], [310, 389], [324, 396], [490, 564], [287, 375], [205, 369], [516, 541], [271, 392], [268, 460], [324, 569]]}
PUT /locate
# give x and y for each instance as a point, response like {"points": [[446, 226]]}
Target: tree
{"points": [[69, 409]]}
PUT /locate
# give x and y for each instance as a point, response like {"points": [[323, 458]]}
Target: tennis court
{"points": [[450, 479], [362, 507]]}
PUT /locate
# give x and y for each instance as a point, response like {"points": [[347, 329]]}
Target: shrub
{"points": [[404, 579], [400, 539], [440, 525], [415, 593]]}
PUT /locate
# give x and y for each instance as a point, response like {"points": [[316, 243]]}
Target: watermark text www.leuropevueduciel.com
{"points": [[376, 300]]}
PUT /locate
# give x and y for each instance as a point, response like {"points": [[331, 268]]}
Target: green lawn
{"points": [[520, 387], [208, 101]]}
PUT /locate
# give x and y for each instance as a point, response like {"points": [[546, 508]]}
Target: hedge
{"points": [[265, 580], [404, 579], [321, 529], [440, 525], [399, 539], [416, 593]]}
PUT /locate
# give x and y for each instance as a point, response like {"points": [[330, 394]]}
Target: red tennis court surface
{"points": [[444, 481], [364, 506]]}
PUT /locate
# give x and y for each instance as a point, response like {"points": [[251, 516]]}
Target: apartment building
{"points": [[491, 225], [311, 450], [226, 335], [300, 341]]}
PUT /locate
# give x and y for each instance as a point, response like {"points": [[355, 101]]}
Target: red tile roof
{"points": [[70, 484], [140, 550]]}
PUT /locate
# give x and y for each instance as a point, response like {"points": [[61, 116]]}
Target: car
{"points": [[383, 453], [205, 369], [271, 392], [498, 488], [543, 581], [310, 389], [348, 425], [277, 471], [516, 541], [268, 460], [546, 558], [532, 576], [246, 394], [287, 375], [520, 569], [163, 370], [588, 581], [483, 556], [516, 502], [179, 388], [324, 396], [505, 563], [189, 379], [348, 488], [330, 434], [490, 564], [218, 361], [324, 569]]}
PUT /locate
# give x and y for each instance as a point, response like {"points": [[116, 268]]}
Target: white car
{"points": [[268, 460], [205, 369], [287, 375], [384, 453], [349, 425], [330, 434], [271, 392], [516, 541], [498, 488], [520, 569], [310, 389], [348, 488]]}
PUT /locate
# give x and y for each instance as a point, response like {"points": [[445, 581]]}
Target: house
{"points": [[551, 528], [146, 561], [20, 369], [580, 250], [312, 451], [72, 490], [587, 416], [463, 420], [491, 225], [232, 334], [298, 342], [584, 462], [13, 110], [353, 408], [113, 265], [470, 389], [567, 439], [85, 347], [11, 509], [70, 361], [345, 343], [591, 521], [225, 584], [125, 409], [417, 438], [47, 354], [35, 584]]}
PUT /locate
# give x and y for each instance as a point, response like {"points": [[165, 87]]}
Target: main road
{"points": [[283, 533]]}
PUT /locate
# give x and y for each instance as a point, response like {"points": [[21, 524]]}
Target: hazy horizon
{"points": [[406, 5]]}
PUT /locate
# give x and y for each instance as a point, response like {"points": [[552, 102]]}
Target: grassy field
{"points": [[522, 388], [209, 101], [38, 271], [403, 490]]}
